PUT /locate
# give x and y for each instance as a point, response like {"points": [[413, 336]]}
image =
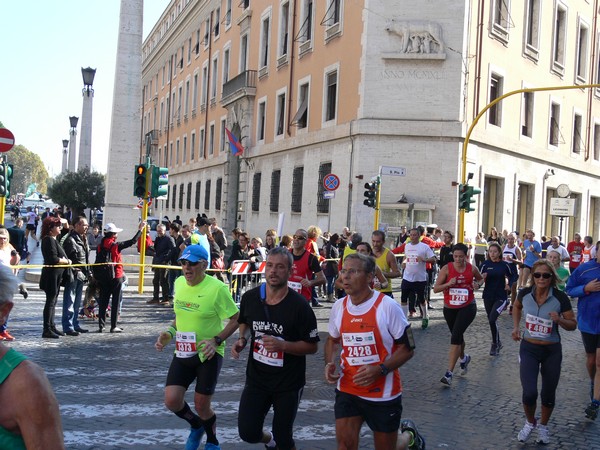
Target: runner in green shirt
{"points": [[201, 305]]}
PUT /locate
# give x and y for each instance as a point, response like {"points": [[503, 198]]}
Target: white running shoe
{"points": [[526, 431], [543, 435]]}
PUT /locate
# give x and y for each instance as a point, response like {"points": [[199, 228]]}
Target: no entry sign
{"points": [[7, 140]]}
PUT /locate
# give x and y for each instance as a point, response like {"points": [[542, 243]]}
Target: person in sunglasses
{"points": [[201, 304], [545, 309]]}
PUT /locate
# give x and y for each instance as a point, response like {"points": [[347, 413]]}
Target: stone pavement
{"points": [[110, 386]]}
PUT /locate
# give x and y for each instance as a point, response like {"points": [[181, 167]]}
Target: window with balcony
{"points": [[331, 89], [275, 184], [217, 27], [559, 39], [496, 90], [204, 92], [527, 114], [532, 29], [256, 191], [297, 183], [332, 19], [207, 195], [227, 18]]}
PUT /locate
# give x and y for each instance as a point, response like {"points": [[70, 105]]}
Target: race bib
{"points": [[294, 285], [586, 257], [576, 257], [412, 260], [259, 353], [538, 327], [458, 296], [185, 344], [360, 348], [507, 257]]}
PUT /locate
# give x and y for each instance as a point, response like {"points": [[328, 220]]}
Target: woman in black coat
{"points": [[51, 277]]}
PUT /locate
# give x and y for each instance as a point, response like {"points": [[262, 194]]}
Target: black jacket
{"points": [[162, 249], [77, 250]]}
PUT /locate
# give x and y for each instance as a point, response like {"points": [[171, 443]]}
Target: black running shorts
{"points": [[382, 417]]}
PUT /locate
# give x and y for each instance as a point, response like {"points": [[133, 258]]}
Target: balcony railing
{"points": [[242, 85]]}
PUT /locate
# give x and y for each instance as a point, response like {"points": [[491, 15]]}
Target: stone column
{"points": [[125, 132], [65, 158], [85, 139], [72, 164]]}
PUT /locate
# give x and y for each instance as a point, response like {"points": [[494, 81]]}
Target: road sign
{"points": [[7, 140], [328, 194], [331, 182], [393, 171], [563, 207]]}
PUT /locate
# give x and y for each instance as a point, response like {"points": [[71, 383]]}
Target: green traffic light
{"points": [[159, 181]]}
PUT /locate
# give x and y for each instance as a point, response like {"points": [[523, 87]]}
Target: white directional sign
{"points": [[328, 194], [393, 171], [564, 207]]}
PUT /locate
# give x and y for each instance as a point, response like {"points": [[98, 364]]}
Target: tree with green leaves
{"points": [[28, 168], [78, 190]]}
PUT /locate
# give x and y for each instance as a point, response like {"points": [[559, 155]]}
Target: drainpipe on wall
{"points": [[290, 87], [350, 171], [210, 30], [592, 80], [478, 58]]}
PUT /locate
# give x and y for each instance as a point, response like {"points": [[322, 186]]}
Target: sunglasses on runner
{"points": [[185, 262], [544, 275], [299, 238]]}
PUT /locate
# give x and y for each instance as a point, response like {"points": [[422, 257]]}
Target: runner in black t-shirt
{"points": [[282, 329], [497, 275]]}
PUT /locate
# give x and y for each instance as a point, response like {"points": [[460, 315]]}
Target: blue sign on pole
{"points": [[331, 182]]}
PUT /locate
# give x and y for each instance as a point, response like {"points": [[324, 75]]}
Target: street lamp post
{"points": [[85, 141], [72, 164], [65, 155]]}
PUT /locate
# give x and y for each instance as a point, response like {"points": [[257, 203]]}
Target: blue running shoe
{"points": [[464, 365], [193, 440], [210, 446]]}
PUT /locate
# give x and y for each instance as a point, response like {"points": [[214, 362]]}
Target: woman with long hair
{"points": [[51, 277], [545, 309], [270, 240]]}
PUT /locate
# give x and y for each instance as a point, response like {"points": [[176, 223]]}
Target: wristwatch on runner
{"points": [[384, 370], [218, 340]]}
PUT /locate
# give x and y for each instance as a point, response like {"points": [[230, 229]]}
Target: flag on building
{"points": [[234, 144]]}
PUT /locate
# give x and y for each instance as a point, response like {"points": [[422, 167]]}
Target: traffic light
{"points": [[371, 194], [139, 181], [3, 179], [9, 175], [465, 197], [159, 181]]}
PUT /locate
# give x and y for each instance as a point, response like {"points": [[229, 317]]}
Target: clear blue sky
{"points": [[44, 44]]}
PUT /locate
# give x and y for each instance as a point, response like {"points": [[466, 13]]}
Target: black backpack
{"points": [[105, 272]]}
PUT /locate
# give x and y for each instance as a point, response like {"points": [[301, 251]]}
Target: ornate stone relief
{"points": [[417, 40]]}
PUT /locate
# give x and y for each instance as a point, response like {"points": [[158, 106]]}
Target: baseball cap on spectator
{"points": [[194, 253], [112, 228]]}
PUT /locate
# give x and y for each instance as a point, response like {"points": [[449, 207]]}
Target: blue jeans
{"points": [[71, 305], [330, 283]]}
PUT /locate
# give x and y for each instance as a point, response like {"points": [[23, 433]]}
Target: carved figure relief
{"points": [[420, 38]]}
